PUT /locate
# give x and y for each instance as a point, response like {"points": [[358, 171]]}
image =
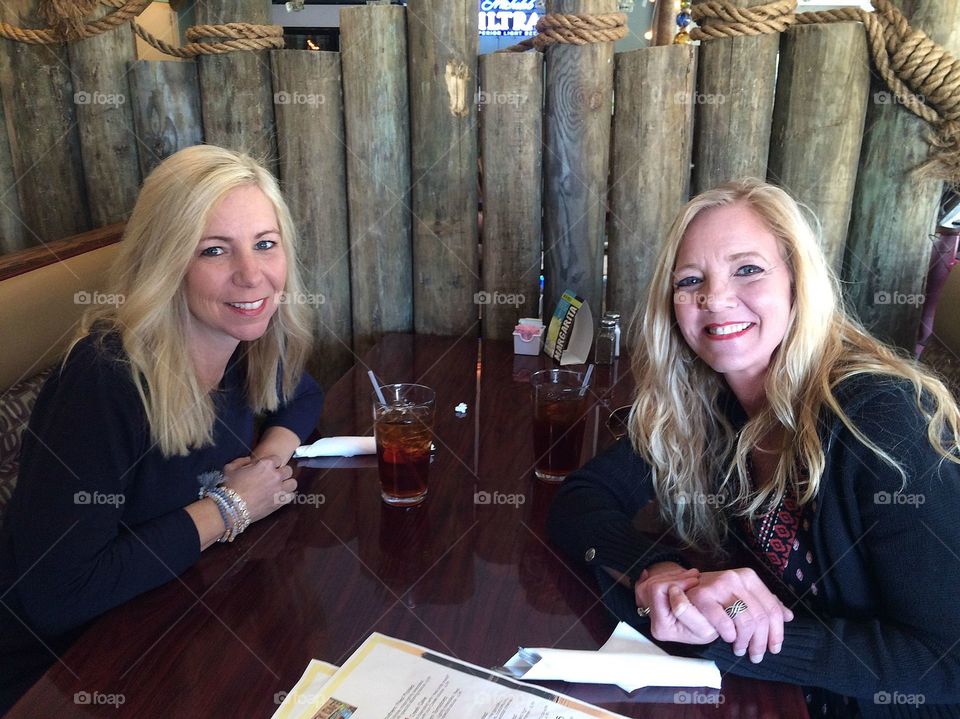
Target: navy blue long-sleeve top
{"points": [[98, 515]]}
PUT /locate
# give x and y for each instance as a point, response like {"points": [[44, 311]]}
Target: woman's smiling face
{"points": [[732, 291]]}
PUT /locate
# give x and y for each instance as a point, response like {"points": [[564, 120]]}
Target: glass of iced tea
{"points": [[559, 416], [403, 425]]}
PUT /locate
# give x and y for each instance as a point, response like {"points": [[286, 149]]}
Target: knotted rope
{"points": [[923, 76], [67, 23], [555, 28]]}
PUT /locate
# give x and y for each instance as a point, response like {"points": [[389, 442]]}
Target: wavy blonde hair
{"points": [[678, 425], [158, 246]]}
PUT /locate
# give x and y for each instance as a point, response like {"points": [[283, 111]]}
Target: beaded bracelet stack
{"points": [[233, 509]]}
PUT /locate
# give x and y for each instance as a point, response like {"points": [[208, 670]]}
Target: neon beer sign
{"points": [[508, 17]]}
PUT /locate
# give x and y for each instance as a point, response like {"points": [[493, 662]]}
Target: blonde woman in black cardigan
{"points": [[775, 434]]}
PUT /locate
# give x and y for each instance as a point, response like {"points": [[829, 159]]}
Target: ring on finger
{"points": [[738, 607], [643, 611]]}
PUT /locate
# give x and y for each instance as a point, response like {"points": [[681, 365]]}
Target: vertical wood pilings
{"points": [[511, 129]]}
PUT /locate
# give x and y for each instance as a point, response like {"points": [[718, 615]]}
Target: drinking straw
{"points": [[376, 386], [586, 377]]}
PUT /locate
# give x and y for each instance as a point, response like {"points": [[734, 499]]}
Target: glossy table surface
{"points": [[468, 573]]}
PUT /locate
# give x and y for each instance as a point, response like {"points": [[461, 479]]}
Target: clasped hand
{"points": [[687, 606], [262, 484]]}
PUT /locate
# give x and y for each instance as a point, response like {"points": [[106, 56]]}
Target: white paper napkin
{"points": [[628, 659], [338, 447]]}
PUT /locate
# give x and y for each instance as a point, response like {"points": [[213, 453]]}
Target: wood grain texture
{"points": [[373, 52], [511, 135], [313, 172], [894, 212], [455, 575], [818, 123], [442, 38], [736, 78], [108, 145], [166, 109], [579, 102], [13, 235], [32, 258], [38, 102], [650, 165]]}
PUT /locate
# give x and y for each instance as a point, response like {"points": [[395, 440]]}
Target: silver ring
{"points": [[643, 611], [738, 607]]}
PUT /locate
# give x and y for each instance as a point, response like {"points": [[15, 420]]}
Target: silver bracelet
{"points": [[226, 513], [240, 506]]}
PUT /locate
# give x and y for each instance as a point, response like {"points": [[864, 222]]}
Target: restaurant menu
{"points": [[388, 678]]}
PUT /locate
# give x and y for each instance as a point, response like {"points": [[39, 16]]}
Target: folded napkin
{"points": [[628, 659], [338, 447]]}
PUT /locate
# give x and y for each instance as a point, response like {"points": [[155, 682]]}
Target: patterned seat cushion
{"points": [[15, 407]]}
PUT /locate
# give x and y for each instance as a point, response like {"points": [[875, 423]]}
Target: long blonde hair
{"points": [[676, 422], [159, 243]]}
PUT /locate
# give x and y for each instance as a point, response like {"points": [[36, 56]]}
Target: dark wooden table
{"points": [[464, 576]]}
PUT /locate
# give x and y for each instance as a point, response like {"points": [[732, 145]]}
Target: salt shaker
{"points": [[615, 316]]}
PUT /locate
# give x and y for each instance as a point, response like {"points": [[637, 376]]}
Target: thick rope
{"points": [[923, 76], [125, 12], [231, 37], [570, 29]]}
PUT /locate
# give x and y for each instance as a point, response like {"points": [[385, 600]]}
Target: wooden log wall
{"points": [[100, 68], [238, 113], [442, 39], [373, 50], [818, 123], [511, 129], [894, 211], [649, 166], [383, 180], [312, 165], [166, 109], [736, 78], [579, 104], [38, 103]]}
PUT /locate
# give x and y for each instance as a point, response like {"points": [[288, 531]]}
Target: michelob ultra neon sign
{"points": [[508, 17]]}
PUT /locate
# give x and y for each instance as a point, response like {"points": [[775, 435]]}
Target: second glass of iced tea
{"points": [[559, 417], [403, 425]]}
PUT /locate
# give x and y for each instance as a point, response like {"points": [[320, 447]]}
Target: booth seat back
{"points": [[942, 351], [39, 312]]}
